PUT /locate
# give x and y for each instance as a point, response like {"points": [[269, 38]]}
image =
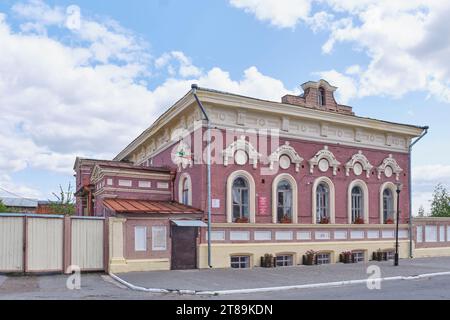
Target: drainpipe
{"points": [[208, 165], [410, 191]]}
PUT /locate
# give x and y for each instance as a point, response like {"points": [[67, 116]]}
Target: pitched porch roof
{"points": [[149, 207]]}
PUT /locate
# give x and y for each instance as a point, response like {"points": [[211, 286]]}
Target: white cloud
{"points": [[405, 41], [282, 14], [83, 93]]}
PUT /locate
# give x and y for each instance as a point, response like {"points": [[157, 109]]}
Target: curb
{"points": [[274, 289]]}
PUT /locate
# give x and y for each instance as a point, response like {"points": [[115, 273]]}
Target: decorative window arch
{"points": [[324, 159], [286, 150], [185, 189], [357, 164], [294, 188], [389, 167], [393, 189], [245, 149], [251, 194], [365, 199], [331, 199]]}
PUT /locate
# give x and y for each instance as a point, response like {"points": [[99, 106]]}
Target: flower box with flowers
{"points": [[285, 220], [390, 221], [309, 258], [324, 221], [359, 221], [241, 220], [346, 257]]}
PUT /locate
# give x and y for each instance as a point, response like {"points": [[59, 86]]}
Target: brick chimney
{"points": [[318, 95]]}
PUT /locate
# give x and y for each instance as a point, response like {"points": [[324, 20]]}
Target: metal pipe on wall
{"points": [[410, 190], [208, 165]]}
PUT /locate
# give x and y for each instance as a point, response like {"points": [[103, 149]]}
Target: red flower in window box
{"points": [[285, 220], [346, 257], [241, 220], [309, 258], [390, 221], [325, 220], [359, 221]]}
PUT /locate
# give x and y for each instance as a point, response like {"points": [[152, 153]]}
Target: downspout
{"points": [[208, 165], [410, 191]]}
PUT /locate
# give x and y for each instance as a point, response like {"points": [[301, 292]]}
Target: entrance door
{"points": [[184, 248]]}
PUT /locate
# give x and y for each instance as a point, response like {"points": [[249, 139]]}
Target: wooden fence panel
{"points": [[44, 245], [11, 244], [87, 244]]}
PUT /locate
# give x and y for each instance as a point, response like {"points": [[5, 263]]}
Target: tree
{"points": [[65, 203], [421, 212], [3, 208], [440, 205]]}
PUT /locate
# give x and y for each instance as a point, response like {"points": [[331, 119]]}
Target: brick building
{"points": [[304, 174]]}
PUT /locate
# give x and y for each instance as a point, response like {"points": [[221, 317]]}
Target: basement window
{"points": [[240, 262], [358, 256], [285, 260], [323, 258]]}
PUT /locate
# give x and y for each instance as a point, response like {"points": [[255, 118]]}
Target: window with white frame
{"points": [[240, 199], [285, 260], [359, 256], [159, 238], [321, 97], [323, 258], [185, 192], [145, 184], [109, 182], [388, 205], [125, 183], [140, 238], [284, 201], [240, 262], [323, 202], [357, 203]]}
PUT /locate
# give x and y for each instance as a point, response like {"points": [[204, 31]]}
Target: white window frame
{"points": [[140, 247], [323, 258], [284, 260], [359, 256], [242, 263], [155, 230]]}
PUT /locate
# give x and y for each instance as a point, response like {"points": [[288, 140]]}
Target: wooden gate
{"points": [[51, 243], [184, 248]]}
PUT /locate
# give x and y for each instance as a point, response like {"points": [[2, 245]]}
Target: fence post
{"points": [[67, 245]]}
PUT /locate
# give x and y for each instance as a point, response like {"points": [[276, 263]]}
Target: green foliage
{"points": [[440, 205], [65, 203], [3, 208]]}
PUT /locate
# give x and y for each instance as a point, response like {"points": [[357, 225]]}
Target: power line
{"points": [[16, 195]]}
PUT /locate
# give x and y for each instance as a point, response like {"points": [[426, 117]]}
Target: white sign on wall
{"points": [[215, 203]]}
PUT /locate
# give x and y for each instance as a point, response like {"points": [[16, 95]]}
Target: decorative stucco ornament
{"points": [[283, 154], [358, 163], [389, 167], [236, 150], [325, 155]]}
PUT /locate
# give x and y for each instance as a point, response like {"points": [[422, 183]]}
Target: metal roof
{"points": [[150, 207], [189, 223], [19, 202]]}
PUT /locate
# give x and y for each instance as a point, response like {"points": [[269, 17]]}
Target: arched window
{"points": [[321, 97], [186, 191], [357, 204], [240, 195], [284, 201], [388, 205], [323, 202]]}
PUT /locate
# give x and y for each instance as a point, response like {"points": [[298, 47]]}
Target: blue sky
{"points": [[56, 82]]}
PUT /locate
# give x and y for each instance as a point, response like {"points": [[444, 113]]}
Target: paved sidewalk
{"points": [[234, 279]]}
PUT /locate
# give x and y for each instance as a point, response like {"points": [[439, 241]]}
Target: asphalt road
{"points": [[100, 287]]}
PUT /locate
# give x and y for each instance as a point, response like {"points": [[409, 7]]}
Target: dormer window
{"points": [[321, 97]]}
